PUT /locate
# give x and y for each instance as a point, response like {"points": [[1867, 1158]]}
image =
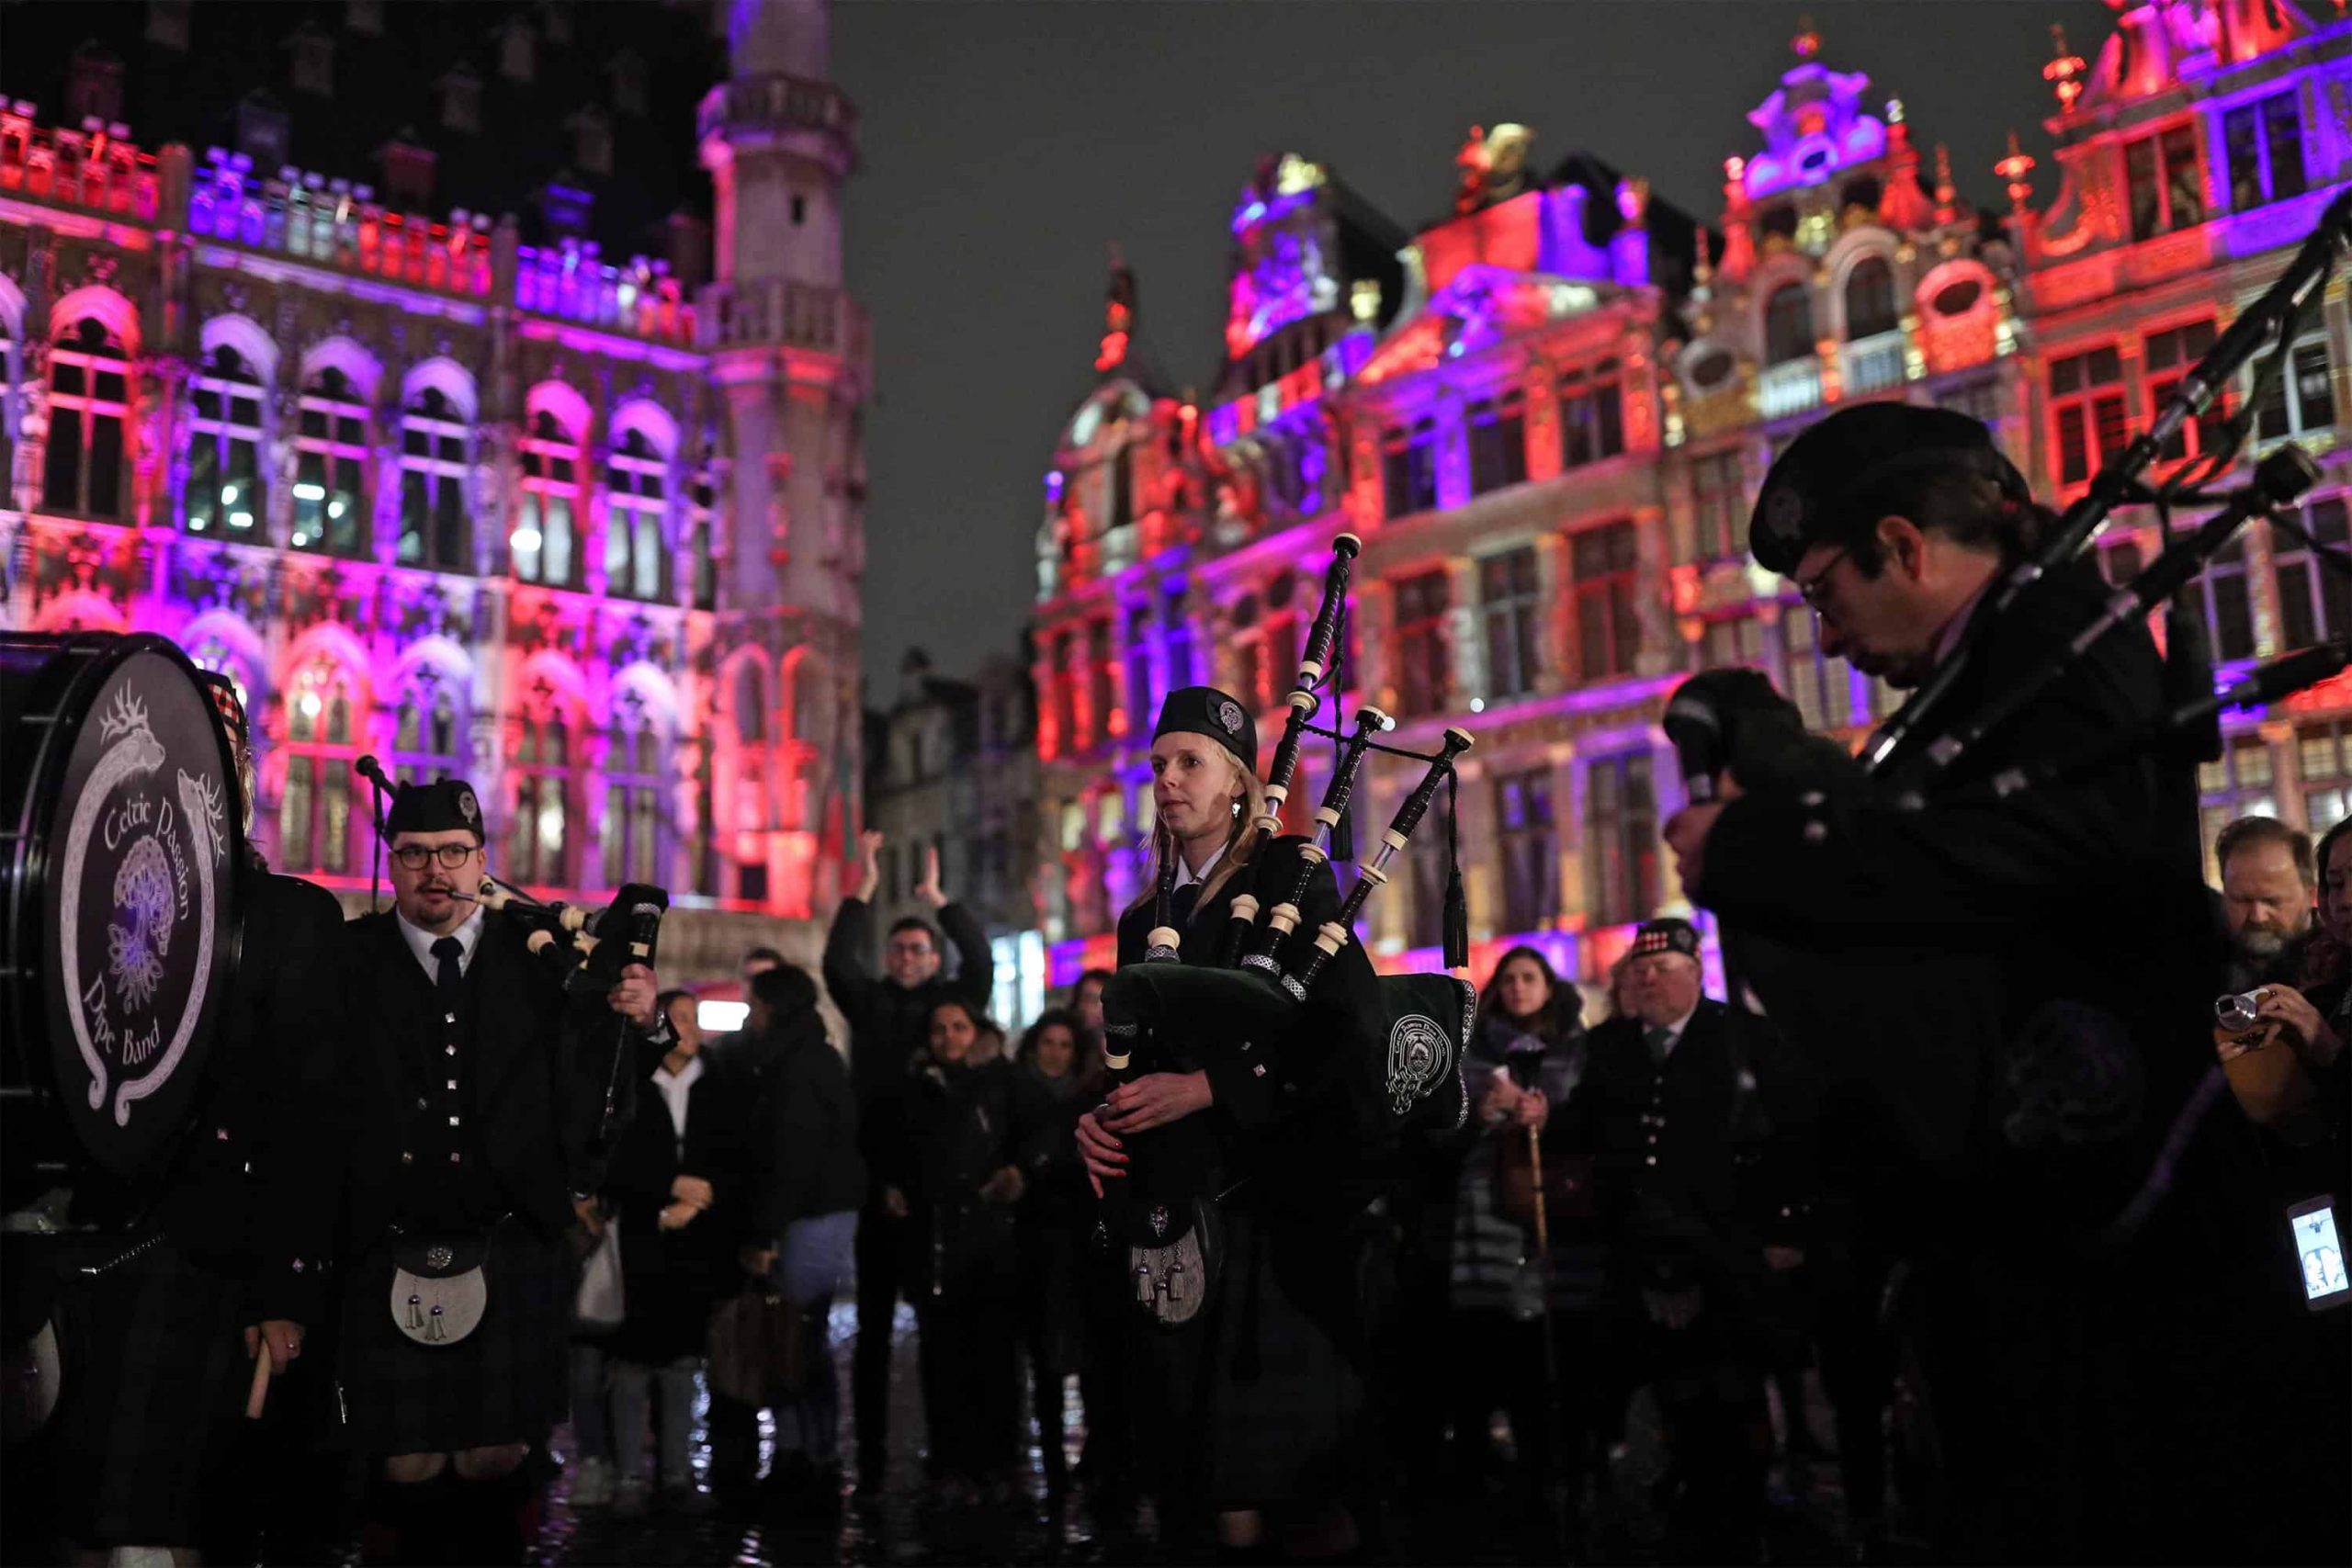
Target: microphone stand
{"points": [[370, 770]]}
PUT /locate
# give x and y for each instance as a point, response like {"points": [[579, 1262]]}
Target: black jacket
{"points": [[1699, 1163], [533, 1087], [670, 1278], [888, 1023], [804, 1123], [964, 1125]]}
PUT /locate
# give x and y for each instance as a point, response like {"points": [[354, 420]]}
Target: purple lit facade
{"points": [[470, 504], [1550, 433]]}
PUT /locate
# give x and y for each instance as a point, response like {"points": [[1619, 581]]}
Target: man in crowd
{"points": [[890, 1019], [1698, 1123], [465, 1139], [2268, 899]]}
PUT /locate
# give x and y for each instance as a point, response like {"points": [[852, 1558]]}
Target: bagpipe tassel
{"points": [[1457, 905]]}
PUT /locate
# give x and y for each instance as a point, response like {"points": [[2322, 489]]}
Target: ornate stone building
{"points": [[1548, 417], [446, 485]]}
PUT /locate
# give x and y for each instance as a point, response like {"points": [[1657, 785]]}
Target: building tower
{"points": [[789, 359]]}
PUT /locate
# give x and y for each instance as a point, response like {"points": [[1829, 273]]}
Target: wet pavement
{"points": [[1469, 1520]]}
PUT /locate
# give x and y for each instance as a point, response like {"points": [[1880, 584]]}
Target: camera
{"points": [[2239, 1013]]}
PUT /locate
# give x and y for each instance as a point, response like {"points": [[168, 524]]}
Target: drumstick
{"points": [[259, 1393]]}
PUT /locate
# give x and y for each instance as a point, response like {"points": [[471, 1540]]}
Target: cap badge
{"points": [[1785, 513], [467, 807], [1229, 714]]}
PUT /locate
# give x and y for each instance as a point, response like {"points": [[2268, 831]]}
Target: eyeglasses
{"points": [[416, 857], [1814, 590]]}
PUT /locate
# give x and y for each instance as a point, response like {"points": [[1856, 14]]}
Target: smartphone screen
{"points": [[2321, 1252]]}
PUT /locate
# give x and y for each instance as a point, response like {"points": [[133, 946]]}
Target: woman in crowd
{"points": [[1525, 1057], [811, 1181], [961, 1181], [678, 1185], [1052, 1222]]}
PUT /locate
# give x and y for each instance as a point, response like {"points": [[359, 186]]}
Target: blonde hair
{"points": [[1241, 843]]}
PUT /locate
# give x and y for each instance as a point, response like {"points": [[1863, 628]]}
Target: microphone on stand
{"points": [[373, 772]]}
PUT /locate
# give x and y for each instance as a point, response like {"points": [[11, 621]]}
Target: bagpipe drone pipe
{"points": [[1370, 1061]]}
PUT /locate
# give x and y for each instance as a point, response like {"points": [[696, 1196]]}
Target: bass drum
{"points": [[123, 836]]}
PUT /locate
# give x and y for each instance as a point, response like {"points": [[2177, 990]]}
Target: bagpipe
{"points": [[1389, 1048]]}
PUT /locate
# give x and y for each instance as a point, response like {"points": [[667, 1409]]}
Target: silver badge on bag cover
{"points": [[1419, 1056], [1160, 1221], [438, 1257]]}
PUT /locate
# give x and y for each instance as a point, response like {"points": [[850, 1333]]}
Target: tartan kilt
{"points": [[505, 1382], [153, 1371]]}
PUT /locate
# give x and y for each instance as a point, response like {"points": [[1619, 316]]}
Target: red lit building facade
{"points": [[587, 533], [1548, 422]]}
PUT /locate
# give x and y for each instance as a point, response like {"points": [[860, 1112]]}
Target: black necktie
{"points": [[1182, 904], [447, 950]]}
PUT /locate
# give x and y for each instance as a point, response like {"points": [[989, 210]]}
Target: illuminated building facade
{"points": [[1549, 422], [457, 491]]}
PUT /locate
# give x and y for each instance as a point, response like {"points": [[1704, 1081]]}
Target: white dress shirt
{"points": [[420, 941]]}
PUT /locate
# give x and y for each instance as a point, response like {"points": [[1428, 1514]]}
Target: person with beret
{"points": [[1254, 1411], [2009, 995], [1697, 1122], [197, 1267], [465, 1139]]}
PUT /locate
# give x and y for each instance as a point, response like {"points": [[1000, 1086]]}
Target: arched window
{"points": [[330, 468], [429, 735], [436, 529], [216, 656], [542, 797], [750, 704], [89, 398], [632, 825], [314, 812], [1870, 298], [225, 493], [543, 538], [1788, 324], [636, 485]]}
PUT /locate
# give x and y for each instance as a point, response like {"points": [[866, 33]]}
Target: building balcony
{"points": [[773, 311], [751, 107], [335, 224], [1792, 386], [71, 168], [567, 281], [1872, 364]]}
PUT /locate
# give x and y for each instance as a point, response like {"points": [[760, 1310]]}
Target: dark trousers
{"points": [[1502, 1368], [971, 1383], [879, 1260], [1858, 1374], [1708, 1378]]}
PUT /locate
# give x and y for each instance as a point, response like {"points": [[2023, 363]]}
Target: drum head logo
{"points": [[1419, 1056], [140, 908]]}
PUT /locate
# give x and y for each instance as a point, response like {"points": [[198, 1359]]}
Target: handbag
{"points": [[601, 1302], [439, 1285], [758, 1354]]}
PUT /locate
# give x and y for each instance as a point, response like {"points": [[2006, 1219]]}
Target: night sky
{"points": [[1003, 145]]}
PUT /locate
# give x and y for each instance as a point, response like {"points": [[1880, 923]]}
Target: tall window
{"points": [[1122, 487], [1294, 467], [89, 396], [636, 561], [2239, 784], [330, 468], [2171, 355], [224, 488], [428, 736], [7, 402], [1819, 685], [1423, 657], [544, 539], [2327, 752], [1621, 840], [2166, 187], [1788, 324], [1408, 468], [2264, 144], [1102, 682], [436, 529], [1063, 695], [1282, 652], [2314, 599], [1719, 504], [1143, 702], [314, 812], [1245, 640], [1497, 441], [705, 589], [2303, 398], [1608, 635], [1179, 638], [542, 795], [1870, 298], [2086, 400], [1530, 849], [1509, 602], [1732, 643], [2229, 608], [1592, 415], [631, 833]]}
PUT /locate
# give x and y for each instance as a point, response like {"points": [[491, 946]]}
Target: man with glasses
{"points": [[465, 1144], [889, 1020], [2009, 993]]}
